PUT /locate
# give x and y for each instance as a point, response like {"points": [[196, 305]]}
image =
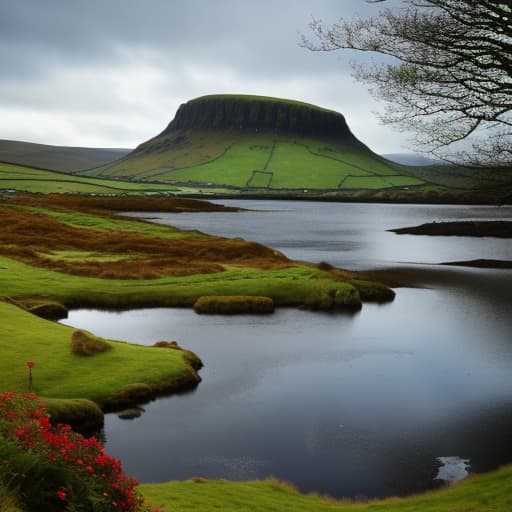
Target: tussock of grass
{"points": [[491, 492], [234, 305], [85, 344]]}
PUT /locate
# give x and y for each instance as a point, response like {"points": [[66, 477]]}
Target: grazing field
{"points": [[255, 161], [30, 179]]}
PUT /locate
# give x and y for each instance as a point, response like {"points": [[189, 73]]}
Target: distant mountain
{"points": [[57, 158], [411, 159], [258, 144]]}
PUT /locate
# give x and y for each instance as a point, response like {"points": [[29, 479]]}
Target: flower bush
{"points": [[55, 468]]}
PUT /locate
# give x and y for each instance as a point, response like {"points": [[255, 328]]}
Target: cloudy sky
{"points": [[111, 73]]}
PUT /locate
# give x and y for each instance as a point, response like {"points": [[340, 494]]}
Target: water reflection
{"points": [[343, 405]]}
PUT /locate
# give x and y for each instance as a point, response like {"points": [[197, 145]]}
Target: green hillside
{"points": [[255, 143], [30, 179]]}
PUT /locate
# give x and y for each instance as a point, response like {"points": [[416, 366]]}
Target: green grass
{"points": [[234, 167], [58, 373], [30, 179], [239, 160], [287, 287], [491, 492]]}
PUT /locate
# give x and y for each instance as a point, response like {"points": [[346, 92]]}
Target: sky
{"points": [[112, 73]]}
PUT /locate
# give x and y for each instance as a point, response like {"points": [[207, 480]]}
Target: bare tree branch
{"points": [[450, 76]]}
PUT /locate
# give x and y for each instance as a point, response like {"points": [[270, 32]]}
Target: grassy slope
{"points": [[57, 158], [30, 179], [60, 374], [491, 492], [232, 159]]}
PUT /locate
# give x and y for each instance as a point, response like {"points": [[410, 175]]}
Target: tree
{"points": [[446, 72]]}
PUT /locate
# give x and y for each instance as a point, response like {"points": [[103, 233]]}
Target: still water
{"points": [[377, 403]]}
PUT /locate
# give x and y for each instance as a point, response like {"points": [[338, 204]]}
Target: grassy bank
{"points": [[491, 492], [61, 374], [81, 255]]}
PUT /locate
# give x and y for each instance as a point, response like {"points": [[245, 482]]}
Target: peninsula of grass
{"points": [[491, 492], [111, 378]]}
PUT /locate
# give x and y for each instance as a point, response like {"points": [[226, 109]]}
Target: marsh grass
{"points": [[491, 492], [123, 248]]}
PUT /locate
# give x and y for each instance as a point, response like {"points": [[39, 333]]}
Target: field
{"points": [[30, 179], [254, 161]]}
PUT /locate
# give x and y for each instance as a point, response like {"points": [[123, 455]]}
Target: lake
{"points": [[395, 399]]}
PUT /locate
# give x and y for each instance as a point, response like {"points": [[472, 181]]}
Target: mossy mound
{"points": [[233, 305], [85, 344], [373, 292], [345, 297], [80, 413]]}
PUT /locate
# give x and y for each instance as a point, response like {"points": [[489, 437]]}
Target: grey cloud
{"points": [[198, 47]]}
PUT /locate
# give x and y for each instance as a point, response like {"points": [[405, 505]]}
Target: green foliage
{"points": [[55, 469], [233, 305]]}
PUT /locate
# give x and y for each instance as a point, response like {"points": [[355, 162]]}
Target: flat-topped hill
{"points": [[256, 144], [257, 113]]}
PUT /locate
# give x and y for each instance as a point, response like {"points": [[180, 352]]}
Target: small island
{"points": [[497, 229]]}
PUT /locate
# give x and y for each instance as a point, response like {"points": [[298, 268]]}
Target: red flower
{"points": [[31, 364], [62, 494]]}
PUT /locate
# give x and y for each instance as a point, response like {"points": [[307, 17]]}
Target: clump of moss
{"points": [[85, 344], [81, 414], [319, 301], [234, 304], [373, 292], [347, 297]]}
